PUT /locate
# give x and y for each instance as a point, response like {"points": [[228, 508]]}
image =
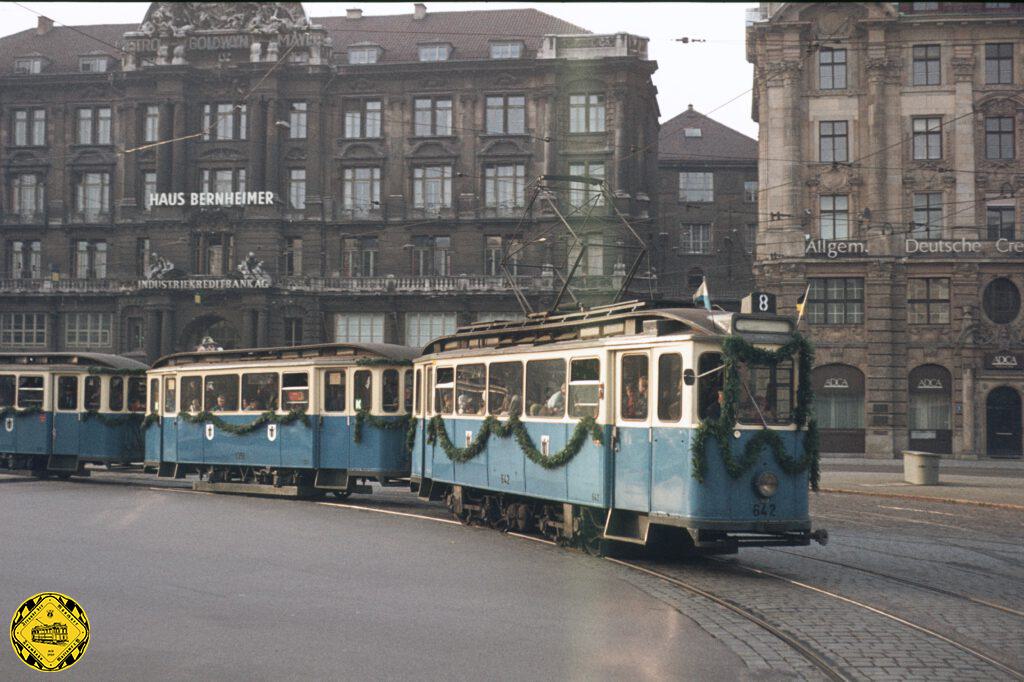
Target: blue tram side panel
{"points": [[649, 377], [302, 420], [63, 410]]}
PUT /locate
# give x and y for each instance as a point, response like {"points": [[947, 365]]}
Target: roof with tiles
{"points": [[717, 142]]}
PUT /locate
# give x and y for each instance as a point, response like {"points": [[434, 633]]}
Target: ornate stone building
{"points": [[891, 183], [248, 173]]}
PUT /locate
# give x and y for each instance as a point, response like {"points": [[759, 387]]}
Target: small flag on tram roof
{"points": [[702, 295], [801, 304]]}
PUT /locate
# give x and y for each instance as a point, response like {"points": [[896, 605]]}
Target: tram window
{"points": [[170, 395], [154, 396], [362, 390], [295, 391], [389, 391], [334, 391], [115, 398], [6, 390], [634, 387], [418, 393], [584, 387], [470, 381], [137, 394], [670, 384], [545, 388], [67, 393], [766, 393], [192, 394], [259, 392], [709, 386], [91, 400], [221, 393], [30, 391], [428, 390], [407, 391], [444, 390], [505, 388]]}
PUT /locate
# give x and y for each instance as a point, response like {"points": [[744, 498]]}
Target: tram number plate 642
{"points": [[764, 509]]}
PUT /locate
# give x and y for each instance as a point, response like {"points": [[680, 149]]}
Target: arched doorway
{"points": [[930, 409], [220, 330], [1003, 422], [839, 406]]}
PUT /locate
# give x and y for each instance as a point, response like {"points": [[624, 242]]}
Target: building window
{"points": [[224, 121], [27, 196], [359, 328], [927, 215], [928, 300], [750, 191], [698, 187], [585, 194], [831, 69], [87, 330], [293, 331], [434, 53], [927, 138], [1000, 222], [29, 127], [695, 238], [148, 188], [431, 256], [359, 257], [834, 215], [506, 114], [504, 186], [926, 65], [92, 64], [751, 237], [90, 259], [593, 261], [23, 330], [92, 195], [835, 300], [999, 137], [924, 6], [25, 259], [509, 50], [361, 190], [433, 116], [363, 120], [692, 132], [223, 180], [297, 188], [832, 141], [1001, 301], [297, 121], [28, 65], [492, 255], [135, 334], [94, 125], [363, 55], [694, 278], [151, 123], [586, 113], [432, 187], [422, 328], [293, 256], [215, 253], [999, 63]]}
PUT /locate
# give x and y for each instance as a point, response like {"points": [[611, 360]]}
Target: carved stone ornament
{"points": [[178, 19], [158, 267], [883, 68], [251, 270], [963, 67]]}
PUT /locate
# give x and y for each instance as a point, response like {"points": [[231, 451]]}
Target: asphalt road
{"points": [[181, 585]]}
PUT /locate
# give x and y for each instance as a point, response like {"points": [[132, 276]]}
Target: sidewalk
{"points": [[988, 483]]}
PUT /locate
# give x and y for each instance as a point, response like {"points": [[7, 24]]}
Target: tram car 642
{"points": [[318, 418], [59, 411], [622, 423]]}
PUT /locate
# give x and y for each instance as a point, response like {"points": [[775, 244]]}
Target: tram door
{"points": [[336, 420], [633, 429], [66, 426]]}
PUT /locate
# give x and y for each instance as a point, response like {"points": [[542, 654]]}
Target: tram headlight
{"points": [[766, 484]]}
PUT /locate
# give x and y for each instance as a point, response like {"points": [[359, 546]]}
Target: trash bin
{"points": [[921, 468]]}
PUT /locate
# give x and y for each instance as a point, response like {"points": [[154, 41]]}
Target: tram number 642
{"points": [[764, 509]]}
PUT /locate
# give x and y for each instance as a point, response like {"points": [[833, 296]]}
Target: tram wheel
{"points": [[341, 494]]}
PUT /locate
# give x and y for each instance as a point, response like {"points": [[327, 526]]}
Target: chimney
{"points": [[44, 26], [420, 11], [353, 13]]}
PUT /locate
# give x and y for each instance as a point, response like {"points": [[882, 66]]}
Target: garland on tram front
{"points": [[514, 427], [364, 415], [242, 429], [736, 350], [149, 421]]}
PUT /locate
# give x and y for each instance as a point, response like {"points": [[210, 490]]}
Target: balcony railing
{"points": [[66, 286], [457, 284]]}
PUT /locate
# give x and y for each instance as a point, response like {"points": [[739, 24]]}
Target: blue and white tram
{"points": [[309, 418], [583, 425], [62, 410]]}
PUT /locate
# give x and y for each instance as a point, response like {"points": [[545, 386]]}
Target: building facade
{"points": [[891, 176], [707, 208], [250, 174]]}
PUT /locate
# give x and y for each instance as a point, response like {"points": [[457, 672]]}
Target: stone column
{"points": [[964, 222], [315, 154], [152, 334], [128, 120], [53, 343], [251, 324], [257, 146], [167, 331], [967, 423], [621, 155]]}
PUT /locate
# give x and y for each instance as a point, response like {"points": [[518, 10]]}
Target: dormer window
{"points": [[363, 54], [692, 132], [28, 65], [507, 50], [93, 64], [435, 53]]}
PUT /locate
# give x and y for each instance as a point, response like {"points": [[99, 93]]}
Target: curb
{"points": [[924, 498]]}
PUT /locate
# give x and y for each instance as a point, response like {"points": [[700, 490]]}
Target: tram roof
{"points": [[386, 351], [67, 361]]}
